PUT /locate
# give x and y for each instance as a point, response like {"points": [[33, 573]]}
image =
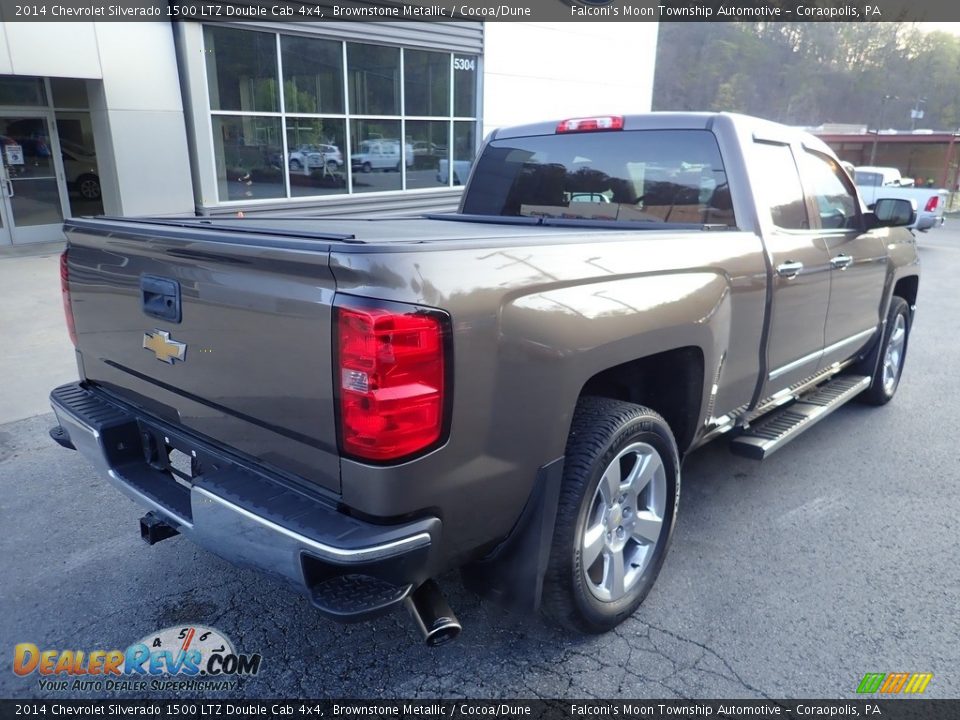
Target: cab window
{"points": [[829, 186]]}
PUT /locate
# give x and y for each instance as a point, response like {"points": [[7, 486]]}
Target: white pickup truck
{"points": [[931, 202]]}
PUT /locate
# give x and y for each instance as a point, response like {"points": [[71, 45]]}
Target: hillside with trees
{"points": [[811, 73]]}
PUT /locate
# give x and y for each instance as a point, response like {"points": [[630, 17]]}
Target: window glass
{"points": [[80, 162], [776, 175], [315, 156], [247, 151], [464, 150], [868, 179], [828, 183], [672, 176], [241, 70], [429, 140], [376, 155], [69, 93], [464, 86], [312, 75], [427, 83], [22, 91], [374, 79]]}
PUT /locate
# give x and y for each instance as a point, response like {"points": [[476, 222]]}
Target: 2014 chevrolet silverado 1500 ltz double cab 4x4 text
{"points": [[356, 406]]}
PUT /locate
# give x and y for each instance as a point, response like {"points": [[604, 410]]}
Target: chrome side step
{"points": [[782, 426]]}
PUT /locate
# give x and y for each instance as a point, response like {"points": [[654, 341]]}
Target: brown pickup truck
{"points": [[357, 406]]}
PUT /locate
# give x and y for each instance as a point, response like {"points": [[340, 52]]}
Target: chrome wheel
{"points": [[624, 522], [893, 357]]}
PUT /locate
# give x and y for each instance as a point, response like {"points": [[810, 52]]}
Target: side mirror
{"points": [[892, 212]]}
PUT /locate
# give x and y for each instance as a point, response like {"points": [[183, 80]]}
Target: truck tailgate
{"points": [[253, 372]]}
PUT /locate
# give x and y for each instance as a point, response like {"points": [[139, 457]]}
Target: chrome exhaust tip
{"points": [[432, 614]]}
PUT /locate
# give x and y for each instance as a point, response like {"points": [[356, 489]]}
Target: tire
{"points": [[367, 167], [89, 187], [893, 353], [296, 165], [581, 592], [332, 166]]}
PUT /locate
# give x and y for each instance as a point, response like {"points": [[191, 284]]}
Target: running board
{"points": [[782, 426]]}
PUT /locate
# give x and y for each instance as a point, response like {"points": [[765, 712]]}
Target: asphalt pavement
{"points": [[792, 577]]}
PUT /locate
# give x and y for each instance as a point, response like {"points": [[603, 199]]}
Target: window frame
{"points": [[347, 117]]}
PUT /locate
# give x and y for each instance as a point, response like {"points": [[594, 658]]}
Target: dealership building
{"points": [[315, 118]]}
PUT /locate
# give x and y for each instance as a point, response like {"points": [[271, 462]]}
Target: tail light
{"points": [[392, 378], [65, 293], [932, 204], [591, 124]]}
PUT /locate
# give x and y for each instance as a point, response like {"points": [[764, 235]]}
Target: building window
{"points": [[297, 117]]}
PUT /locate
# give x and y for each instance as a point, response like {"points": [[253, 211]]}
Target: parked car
{"points": [[80, 169], [509, 389], [874, 182], [311, 157], [373, 155]]}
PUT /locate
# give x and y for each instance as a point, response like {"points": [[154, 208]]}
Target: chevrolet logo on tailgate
{"points": [[159, 343]]}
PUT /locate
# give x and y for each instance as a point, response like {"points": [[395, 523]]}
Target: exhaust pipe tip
{"points": [[433, 615]]}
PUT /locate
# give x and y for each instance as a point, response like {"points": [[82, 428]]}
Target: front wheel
{"points": [[618, 503], [893, 352]]}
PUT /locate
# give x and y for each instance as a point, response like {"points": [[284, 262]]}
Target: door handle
{"points": [[8, 187], [841, 262], [789, 269]]}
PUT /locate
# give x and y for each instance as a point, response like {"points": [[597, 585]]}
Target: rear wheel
{"points": [[893, 352], [617, 507]]}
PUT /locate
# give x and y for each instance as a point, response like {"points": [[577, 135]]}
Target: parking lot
{"points": [[792, 577]]}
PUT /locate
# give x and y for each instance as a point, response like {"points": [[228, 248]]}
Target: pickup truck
{"points": [[358, 406], [873, 182]]}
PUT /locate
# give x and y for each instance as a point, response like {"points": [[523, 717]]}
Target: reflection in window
{"points": [[427, 79], [429, 140], [374, 77], [312, 75], [376, 155], [248, 152], [836, 204], [315, 156], [80, 167], [464, 150], [777, 176], [252, 120], [639, 176], [241, 70], [22, 91]]}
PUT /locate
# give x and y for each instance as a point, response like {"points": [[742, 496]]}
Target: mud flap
{"points": [[512, 575]]}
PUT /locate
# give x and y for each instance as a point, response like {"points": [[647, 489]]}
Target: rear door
{"points": [[225, 333], [801, 268], [858, 259]]}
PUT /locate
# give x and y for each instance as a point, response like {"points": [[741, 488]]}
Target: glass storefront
{"points": [[296, 117]]}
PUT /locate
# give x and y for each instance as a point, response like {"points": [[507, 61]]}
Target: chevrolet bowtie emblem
{"points": [[159, 343]]}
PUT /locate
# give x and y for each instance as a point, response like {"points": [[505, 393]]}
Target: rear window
{"points": [[867, 179], [663, 176]]}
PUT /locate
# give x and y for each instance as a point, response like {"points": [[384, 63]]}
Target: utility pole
{"points": [[916, 113], [876, 136]]}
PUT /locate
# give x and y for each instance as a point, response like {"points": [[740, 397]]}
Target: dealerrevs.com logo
{"points": [[194, 657]]}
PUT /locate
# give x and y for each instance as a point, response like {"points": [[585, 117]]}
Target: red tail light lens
{"points": [[65, 292], [932, 204], [391, 379], [591, 124]]}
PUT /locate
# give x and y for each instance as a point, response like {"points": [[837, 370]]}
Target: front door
{"points": [[801, 270], [858, 259], [32, 197]]}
